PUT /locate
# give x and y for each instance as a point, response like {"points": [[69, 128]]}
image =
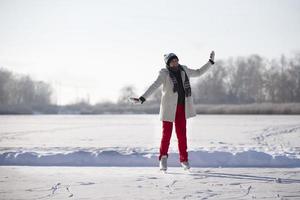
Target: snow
{"points": [[116, 157], [19, 182], [133, 140]]}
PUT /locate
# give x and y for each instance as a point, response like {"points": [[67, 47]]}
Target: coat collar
{"points": [[175, 70]]}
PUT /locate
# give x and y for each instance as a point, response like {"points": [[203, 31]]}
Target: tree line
{"points": [[252, 79], [240, 80]]}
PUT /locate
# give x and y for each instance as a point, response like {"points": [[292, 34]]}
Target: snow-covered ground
{"points": [[20, 182], [133, 140], [116, 157]]}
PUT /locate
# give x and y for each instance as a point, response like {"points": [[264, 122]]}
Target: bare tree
{"points": [[43, 93], [5, 79], [247, 79], [22, 90]]}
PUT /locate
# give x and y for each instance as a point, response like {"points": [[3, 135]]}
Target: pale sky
{"points": [[94, 48]]}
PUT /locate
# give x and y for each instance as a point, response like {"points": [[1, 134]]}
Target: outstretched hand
{"points": [[212, 57], [137, 100]]}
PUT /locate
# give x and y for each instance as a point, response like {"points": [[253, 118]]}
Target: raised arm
{"points": [[203, 69], [154, 85], [197, 72]]}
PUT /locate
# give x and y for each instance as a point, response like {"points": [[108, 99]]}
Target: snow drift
{"points": [[113, 157]]}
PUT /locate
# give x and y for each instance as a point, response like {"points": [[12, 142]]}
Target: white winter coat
{"points": [[168, 104]]}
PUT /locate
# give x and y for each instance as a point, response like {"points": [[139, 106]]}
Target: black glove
{"points": [[212, 57], [142, 99]]}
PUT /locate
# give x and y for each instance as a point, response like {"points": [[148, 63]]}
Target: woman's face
{"points": [[174, 62]]}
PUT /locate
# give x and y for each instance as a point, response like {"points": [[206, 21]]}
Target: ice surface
{"points": [[133, 140], [21, 182]]}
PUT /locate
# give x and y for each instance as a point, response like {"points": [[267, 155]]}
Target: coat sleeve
{"points": [[198, 72], [154, 85]]}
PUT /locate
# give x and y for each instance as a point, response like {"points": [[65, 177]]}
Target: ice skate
{"points": [[163, 163], [185, 165]]}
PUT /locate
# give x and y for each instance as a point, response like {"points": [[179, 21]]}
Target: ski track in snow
{"points": [[266, 133], [63, 189], [273, 139], [244, 189]]}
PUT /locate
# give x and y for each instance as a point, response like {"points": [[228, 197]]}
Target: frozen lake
{"points": [[28, 136]]}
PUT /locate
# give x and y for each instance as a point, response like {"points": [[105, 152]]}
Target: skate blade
{"points": [[187, 170]]}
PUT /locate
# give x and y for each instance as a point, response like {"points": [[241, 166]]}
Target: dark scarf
{"points": [[186, 85]]}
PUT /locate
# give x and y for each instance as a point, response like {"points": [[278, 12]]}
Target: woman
{"points": [[176, 104]]}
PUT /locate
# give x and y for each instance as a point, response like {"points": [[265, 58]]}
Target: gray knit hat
{"points": [[168, 57]]}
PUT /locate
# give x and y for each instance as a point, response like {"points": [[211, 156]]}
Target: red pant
{"points": [[180, 128]]}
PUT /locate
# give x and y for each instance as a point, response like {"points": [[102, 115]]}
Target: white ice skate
{"points": [[163, 163], [185, 165]]}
